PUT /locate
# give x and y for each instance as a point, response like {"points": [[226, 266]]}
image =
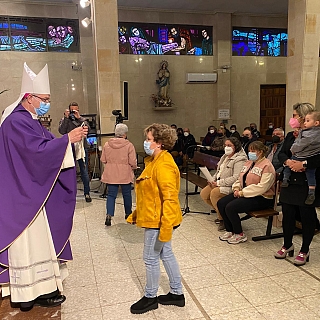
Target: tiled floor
{"points": [[221, 281]]}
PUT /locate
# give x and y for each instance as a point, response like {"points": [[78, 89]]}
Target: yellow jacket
{"points": [[157, 191]]}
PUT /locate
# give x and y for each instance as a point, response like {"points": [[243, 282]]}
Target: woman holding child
{"points": [[296, 191]]}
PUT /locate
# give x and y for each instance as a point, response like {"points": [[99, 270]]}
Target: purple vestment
{"points": [[31, 158]]}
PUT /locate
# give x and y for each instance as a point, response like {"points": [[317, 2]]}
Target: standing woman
{"points": [[120, 159], [158, 212], [293, 197]]}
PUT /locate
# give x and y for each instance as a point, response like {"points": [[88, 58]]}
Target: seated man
{"points": [[254, 130], [270, 129], [247, 138], [275, 148]]}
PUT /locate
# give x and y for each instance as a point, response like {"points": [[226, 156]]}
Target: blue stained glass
{"points": [[259, 42], [22, 43], [18, 26]]}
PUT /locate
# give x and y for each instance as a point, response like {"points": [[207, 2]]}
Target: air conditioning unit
{"points": [[201, 77]]}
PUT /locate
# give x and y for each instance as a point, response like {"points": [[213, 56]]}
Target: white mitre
{"points": [[31, 83]]}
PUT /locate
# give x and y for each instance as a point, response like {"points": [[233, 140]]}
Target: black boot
{"points": [[108, 220], [144, 304], [172, 299]]}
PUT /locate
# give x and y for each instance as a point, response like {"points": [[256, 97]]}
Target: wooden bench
{"points": [[200, 160], [266, 213]]}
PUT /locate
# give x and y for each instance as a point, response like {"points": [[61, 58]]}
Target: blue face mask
{"points": [[252, 156], [43, 109], [146, 146]]}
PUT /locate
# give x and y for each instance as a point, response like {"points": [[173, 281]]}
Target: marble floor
{"points": [[221, 281]]}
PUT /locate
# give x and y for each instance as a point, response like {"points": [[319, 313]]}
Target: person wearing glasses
{"points": [[37, 196], [70, 121]]}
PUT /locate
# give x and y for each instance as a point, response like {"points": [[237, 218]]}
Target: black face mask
{"points": [[244, 139], [253, 129], [275, 139], [220, 134]]}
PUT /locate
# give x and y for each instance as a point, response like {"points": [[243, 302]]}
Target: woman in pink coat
{"points": [[119, 157]]}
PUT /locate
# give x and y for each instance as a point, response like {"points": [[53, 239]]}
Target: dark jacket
{"points": [[187, 142], [297, 191], [278, 165], [208, 139], [66, 125], [235, 134], [178, 146], [245, 144]]}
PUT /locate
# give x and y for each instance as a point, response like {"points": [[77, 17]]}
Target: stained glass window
{"points": [[39, 34], [4, 34], [259, 42], [151, 38], [27, 34], [63, 35]]}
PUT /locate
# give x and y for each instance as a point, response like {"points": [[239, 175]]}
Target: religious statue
{"points": [[163, 99]]}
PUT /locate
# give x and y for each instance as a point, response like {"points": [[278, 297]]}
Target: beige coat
{"points": [[231, 171], [119, 157]]}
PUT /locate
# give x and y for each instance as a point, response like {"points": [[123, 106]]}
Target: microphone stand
{"points": [[186, 208]]}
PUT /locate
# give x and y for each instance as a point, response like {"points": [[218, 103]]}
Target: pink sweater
{"points": [[259, 181], [119, 157]]}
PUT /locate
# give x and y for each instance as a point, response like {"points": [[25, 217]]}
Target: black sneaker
{"points": [[144, 304], [87, 197], [172, 299], [108, 220], [310, 199]]}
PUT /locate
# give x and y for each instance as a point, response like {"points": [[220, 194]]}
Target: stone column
{"points": [[303, 52], [105, 36], [222, 52]]}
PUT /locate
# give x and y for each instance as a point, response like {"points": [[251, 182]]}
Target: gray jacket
{"points": [[307, 143], [231, 171]]}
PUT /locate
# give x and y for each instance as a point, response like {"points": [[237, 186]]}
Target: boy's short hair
{"points": [[315, 115]]}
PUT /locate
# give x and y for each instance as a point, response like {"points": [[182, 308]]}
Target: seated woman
{"points": [[227, 173], [210, 136], [217, 146], [254, 190]]}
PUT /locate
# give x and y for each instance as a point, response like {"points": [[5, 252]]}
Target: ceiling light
{"points": [[84, 3], [86, 22]]}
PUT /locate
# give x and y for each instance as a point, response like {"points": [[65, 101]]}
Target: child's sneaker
{"points": [[310, 199], [285, 183], [237, 238], [227, 235]]}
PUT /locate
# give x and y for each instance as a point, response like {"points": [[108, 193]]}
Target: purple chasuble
{"points": [[31, 158]]}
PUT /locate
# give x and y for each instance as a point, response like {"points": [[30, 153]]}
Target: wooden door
{"points": [[272, 106]]}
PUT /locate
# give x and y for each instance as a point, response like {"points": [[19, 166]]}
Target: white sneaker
{"points": [[237, 238], [226, 236]]}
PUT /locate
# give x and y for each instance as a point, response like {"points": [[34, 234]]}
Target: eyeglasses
{"points": [[46, 100]]}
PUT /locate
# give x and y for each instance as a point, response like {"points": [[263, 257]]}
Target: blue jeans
{"points": [[83, 165], [112, 195], [153, 250]]}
